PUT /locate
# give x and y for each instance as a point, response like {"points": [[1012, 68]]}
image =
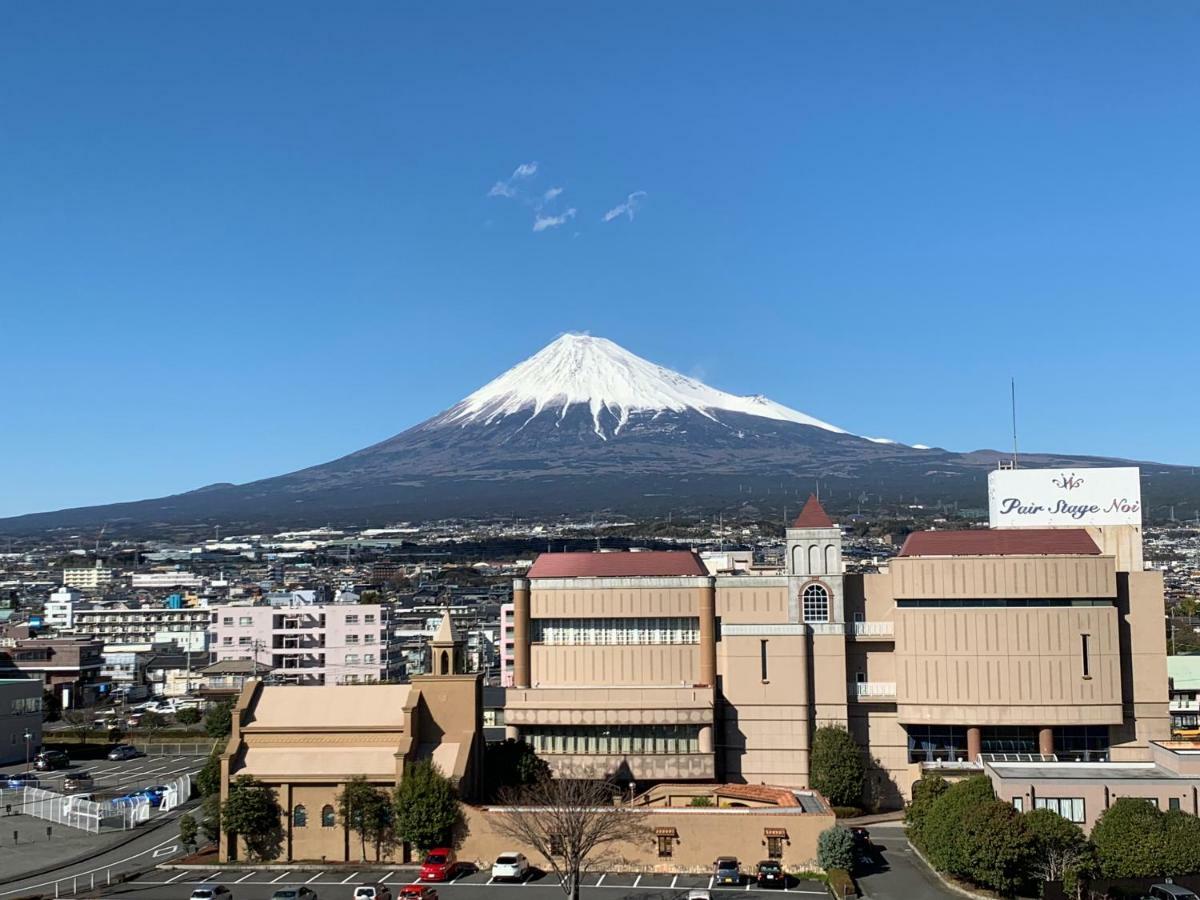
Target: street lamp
{"points": [[28, 738]]}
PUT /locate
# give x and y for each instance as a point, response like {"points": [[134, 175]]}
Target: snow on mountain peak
{"points": [[593, 371]]}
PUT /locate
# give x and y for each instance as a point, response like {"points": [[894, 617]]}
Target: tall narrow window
{"points": [[762, 655], [1087, 663]]}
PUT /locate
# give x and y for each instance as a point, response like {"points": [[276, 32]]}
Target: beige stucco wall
{"points": [[1007, 666], [703, 835], [598, 598], [976, 578], [1144, 677], [621, 664], [758, 603]]}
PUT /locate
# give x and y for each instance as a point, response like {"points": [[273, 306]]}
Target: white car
{"points": [[212, 892], [510, 867]]}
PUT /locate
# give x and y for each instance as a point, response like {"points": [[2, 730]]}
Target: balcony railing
{"points": [[874, 690], [874, 629], [1182, 705]]}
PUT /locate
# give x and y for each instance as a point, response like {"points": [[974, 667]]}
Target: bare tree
{"points": [[573, 824], [82, 722]]}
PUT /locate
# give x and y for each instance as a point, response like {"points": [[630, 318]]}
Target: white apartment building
{"points": [[123, 624], [166, 580], [333, 643], [58, 611], [88, 578]]}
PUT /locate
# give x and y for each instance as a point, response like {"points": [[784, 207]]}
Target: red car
{"points": [[440, 865], [418, 892]]}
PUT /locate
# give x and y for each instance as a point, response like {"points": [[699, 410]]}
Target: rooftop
{"points": [[651, 563], [1001, 542], [813, 515]]}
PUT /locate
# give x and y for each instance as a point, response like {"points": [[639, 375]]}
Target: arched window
{"points": [[445, 663], [299, 816], [815, 603], [328, 818]]}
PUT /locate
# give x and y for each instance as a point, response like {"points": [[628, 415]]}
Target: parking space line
{"points": [[710, 881], [386, 875], [282, 875], [244, 877], [349, 878], [175, 877], [636, 880], [673, 880], [489, 881], [601, 881], [314, 878]]}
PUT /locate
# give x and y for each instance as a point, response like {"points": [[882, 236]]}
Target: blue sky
{"points": [[238, 239]]}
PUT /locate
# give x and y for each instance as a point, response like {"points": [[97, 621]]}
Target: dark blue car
{"points": [[22, 779]]}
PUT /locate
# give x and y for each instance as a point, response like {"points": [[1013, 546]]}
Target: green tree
{"points": [[994, 847], [210, 818], [218, 721], [835, 849], [252, 812], [189, 715], [151, 722], [943, 824], [513, 764], [366, 810], [836, 766], [1058, 846], [426, 806], [1129, 839], [924, 792], [187, 830], [208, 779], [1181, 843]]}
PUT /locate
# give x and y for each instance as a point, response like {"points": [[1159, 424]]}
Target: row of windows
{"points": [[595, 632], [300, 816], [974, 604], [1070, 808], [933, 743], [609, 740], [24, 706]]}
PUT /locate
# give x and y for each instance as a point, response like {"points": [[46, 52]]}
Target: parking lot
{"points": [[259, 884], [113, 778]]}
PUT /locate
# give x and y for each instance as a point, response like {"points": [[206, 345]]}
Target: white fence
{"points": [[177, 793], [74, 812], [873, 629]]}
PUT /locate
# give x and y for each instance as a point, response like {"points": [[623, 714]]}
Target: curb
{"points": [[289, 867], [947, 883]]}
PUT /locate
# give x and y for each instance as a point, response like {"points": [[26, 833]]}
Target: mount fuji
{"points": [[585, 426]]}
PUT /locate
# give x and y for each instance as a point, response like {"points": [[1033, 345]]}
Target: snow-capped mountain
{"points": [[593, 372], [586, 426]]}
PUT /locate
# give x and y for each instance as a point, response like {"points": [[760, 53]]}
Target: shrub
{"points": [[924, 793], [1057, 846], [218, 721], [1181, 840], [208, 779], [836, 766], [835, 849], [701, 801], [187, 830], [841, 884], [846, 812], [189, 715], [943, 823], [994, 847], [1130, 840], [252, 812], [426, 806]]}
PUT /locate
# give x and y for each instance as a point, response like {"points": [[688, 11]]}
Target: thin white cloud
{"points": [[551, 194], [541, 223], [628, 208], [508, 187]]}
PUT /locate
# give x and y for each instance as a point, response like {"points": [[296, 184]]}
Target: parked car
{"points": [[418, 892], [123, 752], [20, 780], [372, 892], [727, 870], [1171, 892], [212, 892], [78, 781], [510, 867], [769, 873], [48, 760], [295, 893], [698, 894], [440, 865], [153, 794]]}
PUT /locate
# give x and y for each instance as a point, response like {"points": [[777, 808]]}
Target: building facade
{"points": [[647, 667], [141, 624], [20, 719], [88, 578], [313, 644]]}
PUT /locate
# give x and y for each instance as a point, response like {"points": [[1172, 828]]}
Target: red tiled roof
{"points": [[1001, 542], [760, 792], [651, 563], [813, 515]]}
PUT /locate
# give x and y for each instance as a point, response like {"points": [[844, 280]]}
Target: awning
{"points": [[665, 831], [775, 832]]}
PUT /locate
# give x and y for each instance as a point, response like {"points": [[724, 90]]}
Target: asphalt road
{"points": [[245, 884], [113, 778], [895, 872]]}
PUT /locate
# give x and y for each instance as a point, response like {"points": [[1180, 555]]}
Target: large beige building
{"points": [[646, 667]]}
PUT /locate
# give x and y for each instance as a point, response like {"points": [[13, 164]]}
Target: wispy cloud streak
{"points": [[628, 208]]}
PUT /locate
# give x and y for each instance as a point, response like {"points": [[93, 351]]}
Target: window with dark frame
{"points": [[1087, 663], [666, 846], [762, 654], [775, 847]]}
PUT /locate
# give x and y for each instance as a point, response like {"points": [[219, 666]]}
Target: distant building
{"points": [[70, 667], [1183, 673], [164, 580], [58, 612], [310, 644], [90, 578], [134, 624], [506, 645]]}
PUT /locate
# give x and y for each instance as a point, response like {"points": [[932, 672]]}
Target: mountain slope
{"points": [[585, 426]]}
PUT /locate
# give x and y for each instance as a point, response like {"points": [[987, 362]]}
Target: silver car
{"points": [[212, 892]]}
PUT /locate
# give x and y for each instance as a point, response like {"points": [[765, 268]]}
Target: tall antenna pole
{"points": [[1013, 387]]}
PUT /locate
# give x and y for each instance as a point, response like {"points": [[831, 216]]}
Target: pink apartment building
{"points": [[336, 643]]}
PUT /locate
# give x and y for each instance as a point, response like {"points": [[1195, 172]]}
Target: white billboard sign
{"points": [[1051, 497]]}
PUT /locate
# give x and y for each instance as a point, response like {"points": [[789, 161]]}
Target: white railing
{"points": [[49, 806], [874, 629], [1181, 705], [826, 628], [178, 791], [872, 689]]}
